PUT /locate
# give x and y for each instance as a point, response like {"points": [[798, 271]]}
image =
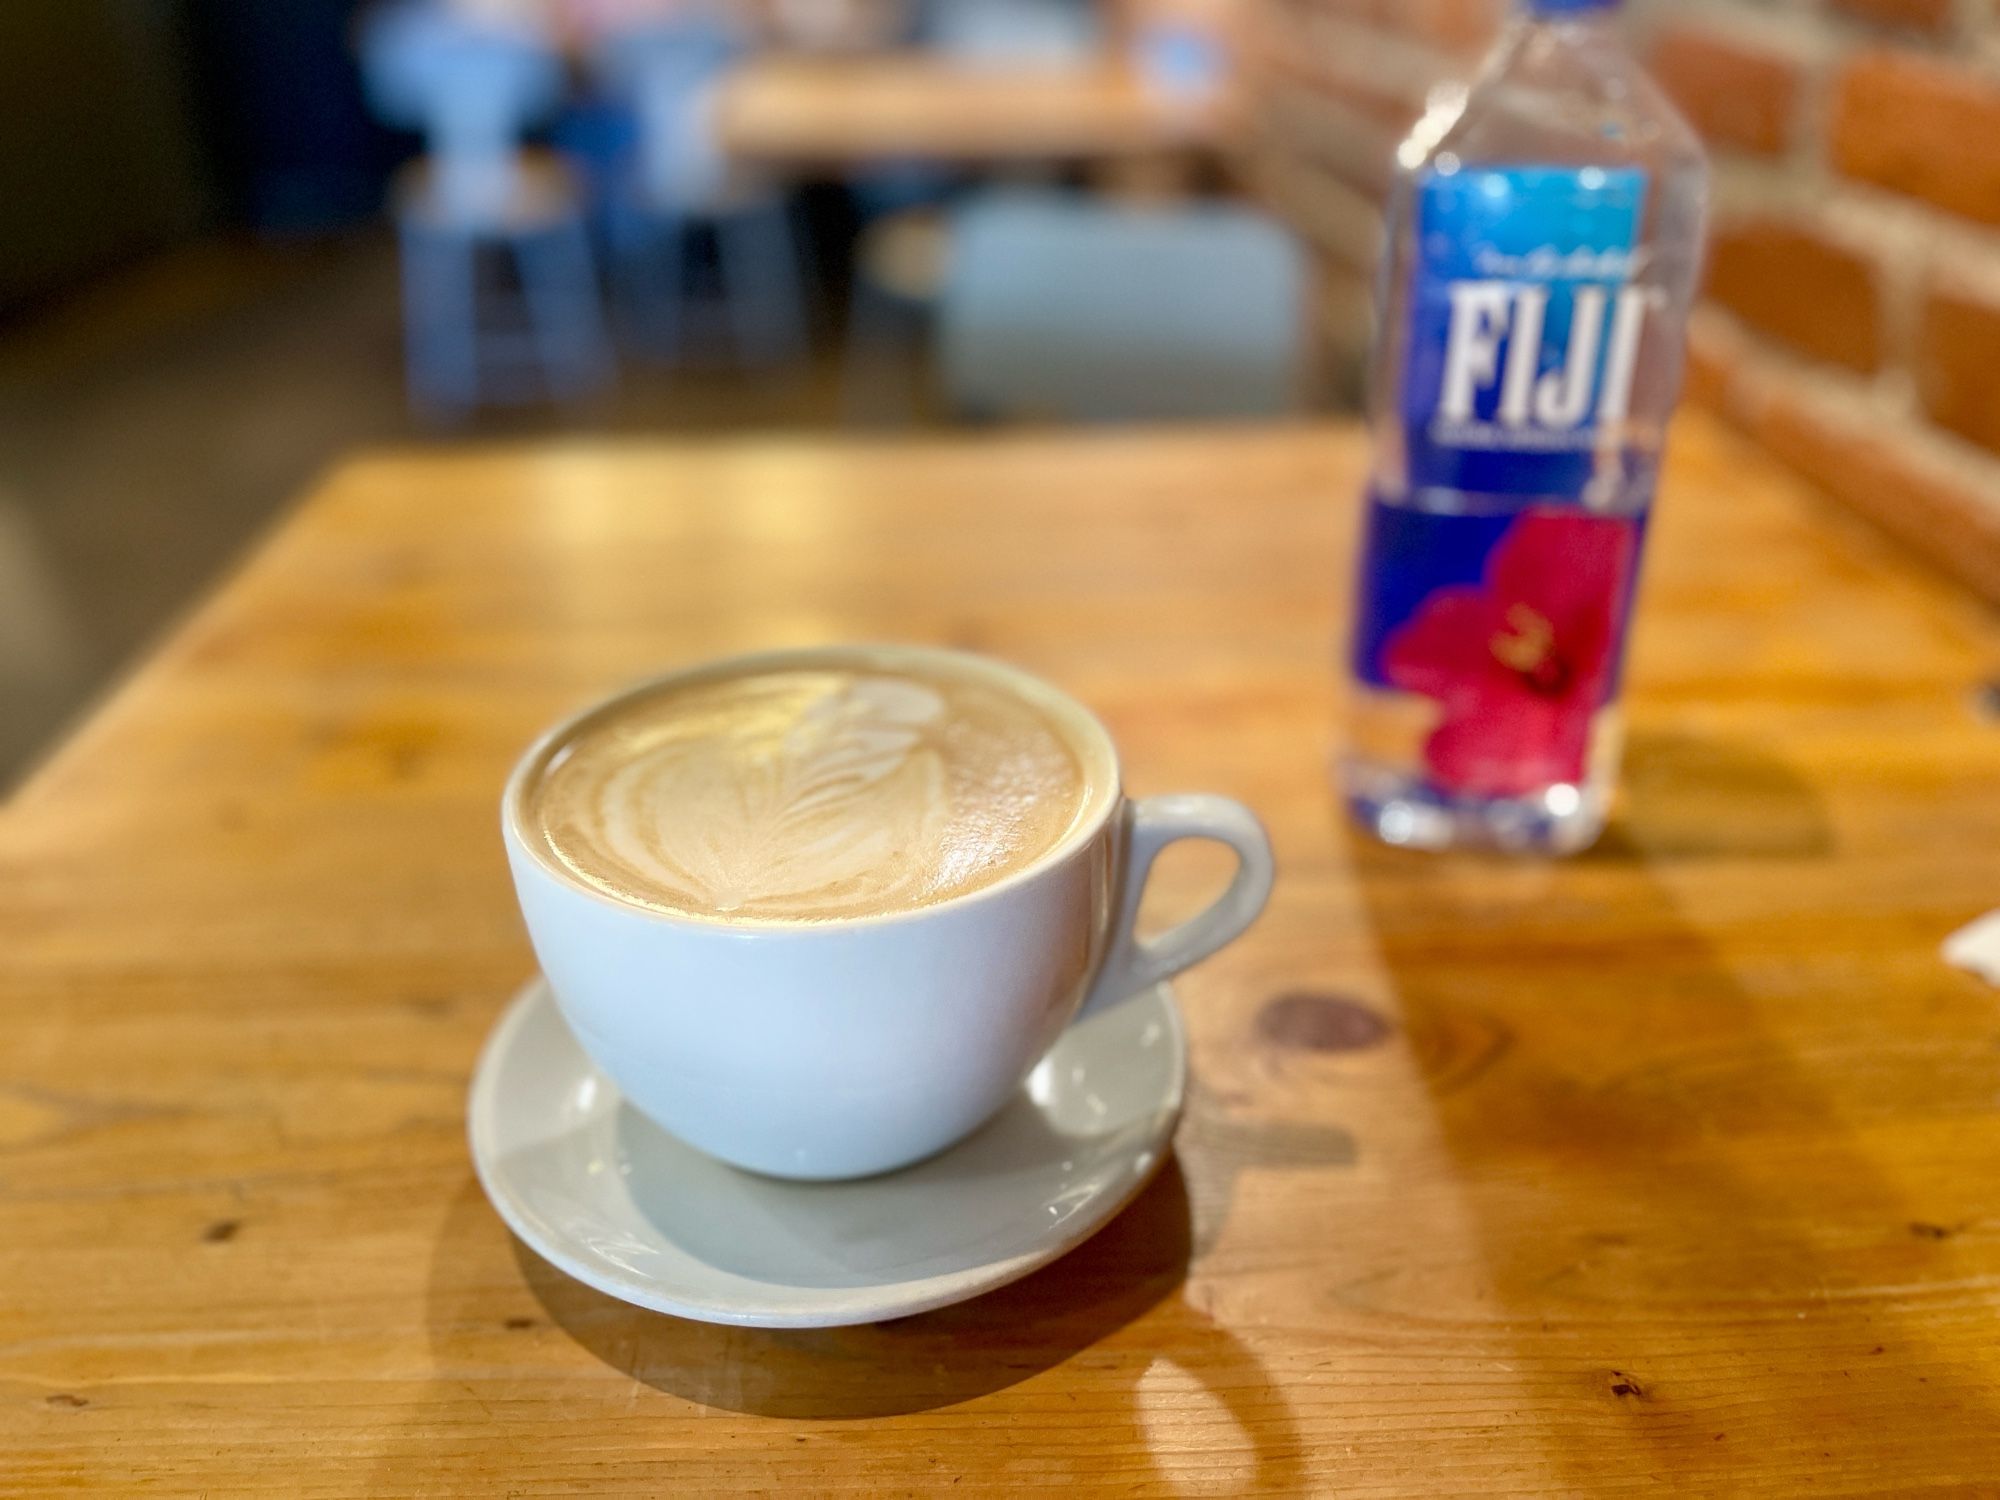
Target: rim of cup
{"points": [[1082, 729]]}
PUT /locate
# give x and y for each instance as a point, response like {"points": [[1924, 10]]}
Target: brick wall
{"points": [[1852, 315]]}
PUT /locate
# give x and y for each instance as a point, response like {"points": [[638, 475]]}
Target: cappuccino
{"points": [[834, 788]]}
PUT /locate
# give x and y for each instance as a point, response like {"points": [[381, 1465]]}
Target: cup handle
{"points": [[1134, 964]]}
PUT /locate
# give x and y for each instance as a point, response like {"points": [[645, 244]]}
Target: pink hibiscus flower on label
{"points": [[1522, 662]]}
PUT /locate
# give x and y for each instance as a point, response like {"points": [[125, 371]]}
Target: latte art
{"points": [[808, 794]]}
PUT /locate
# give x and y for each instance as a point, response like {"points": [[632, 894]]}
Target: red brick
{"points": [[1958, 364], [1879, 473], [1877, 469], [1736, 95], [1321, 135], [1922, 127], [1453, 25], [1395, 111], [1387, 106], [1930, 16], [1809, 293], [1368, 11], [1710, 373], [1328, 210]]}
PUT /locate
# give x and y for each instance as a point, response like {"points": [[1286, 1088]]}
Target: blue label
{"points": [[1511, 623], [1525, 328]]}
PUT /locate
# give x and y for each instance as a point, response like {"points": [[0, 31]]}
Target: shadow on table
{"points": [[907, 1365], [1073, 1310], [1221, 1145], [1687, 797], [1705, 1270]]}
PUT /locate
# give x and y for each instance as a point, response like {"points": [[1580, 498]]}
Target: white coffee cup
{"points": [[845, 1047]]}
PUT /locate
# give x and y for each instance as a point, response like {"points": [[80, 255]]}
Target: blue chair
{"points": [[473, 90], [677, 182], [1060, 306]]}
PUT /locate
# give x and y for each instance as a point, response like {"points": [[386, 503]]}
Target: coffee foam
{"points": [[808, 794]]}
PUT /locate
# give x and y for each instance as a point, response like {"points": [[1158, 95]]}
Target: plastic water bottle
{"points": [[1543, 250]]}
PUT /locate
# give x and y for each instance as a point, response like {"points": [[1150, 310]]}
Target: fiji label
{"points": [[1512, 624], [1526, 325]]}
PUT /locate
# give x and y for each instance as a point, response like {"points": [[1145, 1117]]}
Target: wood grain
{"points": [[793, 111], [1672, 1166]]}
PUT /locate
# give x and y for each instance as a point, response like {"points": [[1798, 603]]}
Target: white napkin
{"points": [[1976, 948]]}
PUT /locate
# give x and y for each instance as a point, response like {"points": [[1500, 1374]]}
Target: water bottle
{"points": [[1543, 248]]}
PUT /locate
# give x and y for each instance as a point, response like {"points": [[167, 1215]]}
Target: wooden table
{"points": [[909, 107], [1674, 1164]]}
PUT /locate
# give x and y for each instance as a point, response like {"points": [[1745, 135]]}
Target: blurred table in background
{"points": [[1670, 1167], [912, 107]]}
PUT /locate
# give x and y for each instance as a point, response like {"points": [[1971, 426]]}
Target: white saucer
{"points": [[607, 1196]]}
